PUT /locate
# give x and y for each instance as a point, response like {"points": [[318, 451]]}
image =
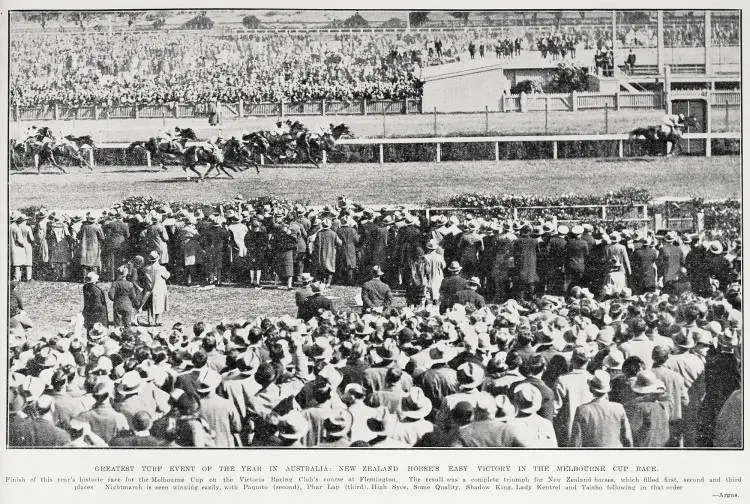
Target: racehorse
{"points": [[214, 158], [658, 142], [234, 153], [45, 152], [163, 156], [312, 145]]}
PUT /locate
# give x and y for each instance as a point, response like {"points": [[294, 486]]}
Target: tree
{"points": [[568, 77], [81, 18], [41, 17], [199, 22], [418, 18], [394, 22], [251, 22], [462, 15], [356, 21]]}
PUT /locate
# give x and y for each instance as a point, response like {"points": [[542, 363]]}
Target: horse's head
{"points": [[691, 122], [342, 130]]}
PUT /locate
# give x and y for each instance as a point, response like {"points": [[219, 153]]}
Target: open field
{"points": [[52, 304], [397, 183]]}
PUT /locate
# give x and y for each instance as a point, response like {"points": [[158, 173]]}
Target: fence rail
{"points": [[507, 103]]}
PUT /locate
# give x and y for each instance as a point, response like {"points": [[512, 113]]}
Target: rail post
{"points": [[546, 116], [96, 112], [262, 160], [17, 114], [384, 122], [604, 212], [325, 158], [554, 149], [486, 119], [241, 108], [434, 121], [574, 101], [323, 107], [364, 106], [406, 106], [497, 151], [620, 148], [148, 159], [135, 111], [56, 114], [437, 152], [606, 117], [380, 152], [726, 115], [617, 100], [91, 157], [281, 108]]}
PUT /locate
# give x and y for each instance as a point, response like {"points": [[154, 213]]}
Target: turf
{"points": [[397, 183], [186, 304]]}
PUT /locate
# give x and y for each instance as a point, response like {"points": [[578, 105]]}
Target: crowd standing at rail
{"points": [[525, 334]]}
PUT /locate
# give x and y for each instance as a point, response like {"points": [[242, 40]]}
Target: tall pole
{"points": [[707, 42], [660, 42], [614, 38]]}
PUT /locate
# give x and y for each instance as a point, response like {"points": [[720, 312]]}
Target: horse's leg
{"points": [[223, 168], [185, 169]]}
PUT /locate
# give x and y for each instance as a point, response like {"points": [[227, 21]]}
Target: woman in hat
{"points": [[528, 400], [190, 242], [90, 238], [470, 248], [347, 257], [648, 411], [40, 237], [325, 245], [154, 278], [58, 244], [124, 299], [20, 238], [94, 302]]}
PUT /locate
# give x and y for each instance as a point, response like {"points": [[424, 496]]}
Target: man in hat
{"points": [[470, 294], [41, 229], [237, 231], [140, 435], [557, 256], [533, 368], [66, 407], [571, 390], [528, 399], [643, 262], [347, 254], [313, 304], [214, 238], [434, 264], [639, 344], [154, 278], [670, 260], [304, 291], [135, 395], [124, 299], [91, 238], [600, 423], [525, 254], [375, 292], [325, 245], [675, 390], [576, 251], [94, 302], [220, 414], [470, 376], [691, 367], [451, 284], [41, 431], [492, 428], [336, 429], [412, 425], [104, 420], [648, 411], [722, 377], [381, 424], [116, 233], [20, 238], [292, 429]]}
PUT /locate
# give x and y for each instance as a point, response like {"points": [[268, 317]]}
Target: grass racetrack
{"points": [[391, 183], [186, 304]]}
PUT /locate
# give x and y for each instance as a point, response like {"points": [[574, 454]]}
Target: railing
{"points": [[507, 103]]}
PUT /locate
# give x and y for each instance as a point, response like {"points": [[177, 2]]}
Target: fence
{"points": [[508, 103]]}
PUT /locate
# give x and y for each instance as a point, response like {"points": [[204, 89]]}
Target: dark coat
{"points": [[379, 244], [312, 304], [123, 295], [525, 255], [547, 409], [133, 441], [649, 421], [465, 296], [576, 252], [448, 289], [376, 293], [94, 305], [348, 249], [669, 262], [40, 432], [284, 247]]}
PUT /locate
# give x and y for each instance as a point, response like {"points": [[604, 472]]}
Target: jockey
{"points": [[166, 137], [30, 133], [672, 121], [280, 129]]}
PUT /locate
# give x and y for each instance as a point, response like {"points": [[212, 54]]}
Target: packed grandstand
{"points": [[160, 66]]}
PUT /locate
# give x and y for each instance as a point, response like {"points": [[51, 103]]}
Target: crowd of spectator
{"points": [[522, 334], [110, 68]]}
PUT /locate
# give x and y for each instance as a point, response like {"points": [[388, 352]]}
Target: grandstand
{"points": [[296, 56]]}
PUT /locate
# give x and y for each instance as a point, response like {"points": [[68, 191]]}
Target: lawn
{"points": [[186, 304], [391, 183]]}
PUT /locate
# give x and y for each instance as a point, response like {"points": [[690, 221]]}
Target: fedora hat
{"points": [[431, 245], [563, 230], [306, 278], [716, 247], [470, 375], [528, 398], [153, 256], [376, 271], [97, 332], [338, 423], [454, 267], [380, 422], [130, 383], [293, 426], [92, 277], [577, 230], [614, 359], [45, 358], [474, 281], [415, 405], [208, 380], [646, 382], [600, 382]]}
